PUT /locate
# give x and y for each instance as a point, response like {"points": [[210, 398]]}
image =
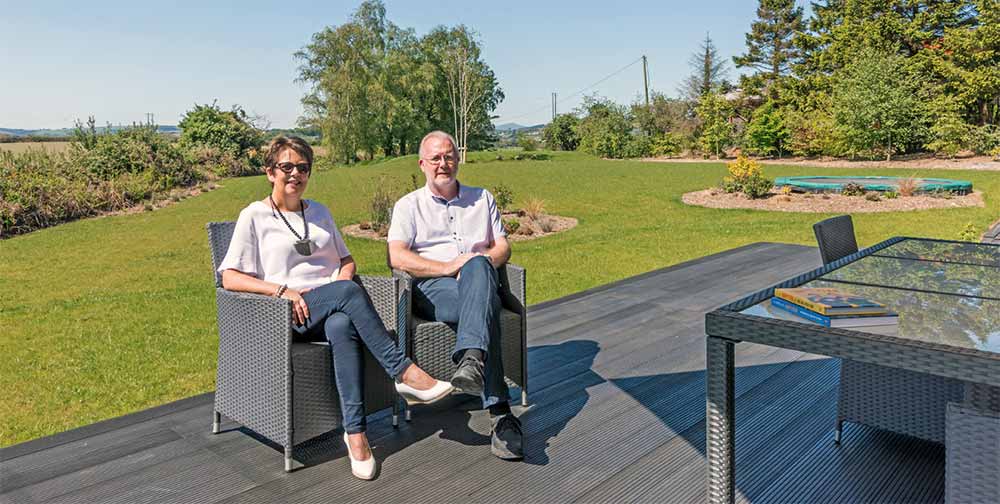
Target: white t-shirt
{"points": [[264, 248]]}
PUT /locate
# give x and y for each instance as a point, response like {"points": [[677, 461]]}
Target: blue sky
{"points": [[118, 60]]}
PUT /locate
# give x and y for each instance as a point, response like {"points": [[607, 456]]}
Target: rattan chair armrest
{"points": [[513, 288], [402, 275], [270, 318], [386, 294]]}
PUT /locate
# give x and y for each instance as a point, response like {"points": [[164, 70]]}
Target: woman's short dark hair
{"points": [[281, 142]]}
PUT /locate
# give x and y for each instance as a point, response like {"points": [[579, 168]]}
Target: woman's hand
{"points": [[300, 310]]}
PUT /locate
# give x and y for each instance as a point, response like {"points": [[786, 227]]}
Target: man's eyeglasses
{"points": [[303, 168], [442, 159]]}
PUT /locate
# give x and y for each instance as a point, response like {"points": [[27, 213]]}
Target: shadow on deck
{"points": [[617, 392]]}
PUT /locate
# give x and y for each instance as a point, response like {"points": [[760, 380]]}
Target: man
{"points": [[450, 238]]}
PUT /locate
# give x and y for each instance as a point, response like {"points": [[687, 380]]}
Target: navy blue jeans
{"points": [[471, 306], [341, 313]]}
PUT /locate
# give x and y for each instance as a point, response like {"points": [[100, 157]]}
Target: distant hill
{"points": [[508, 127], [512, 127], [68, 132]]}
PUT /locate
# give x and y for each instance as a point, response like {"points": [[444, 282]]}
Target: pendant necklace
{"points": [[303, 246]]}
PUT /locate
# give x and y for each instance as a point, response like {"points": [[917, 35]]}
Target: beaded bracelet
{"points": [[281, 290]]}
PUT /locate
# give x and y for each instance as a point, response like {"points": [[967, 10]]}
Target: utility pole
{"points": [[645, 79], [553, 106]]}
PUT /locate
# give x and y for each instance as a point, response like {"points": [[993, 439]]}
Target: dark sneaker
{"points": [[469, 376], [506, 437]]}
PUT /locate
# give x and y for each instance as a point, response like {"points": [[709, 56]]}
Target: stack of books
{"points": [[833, 307]]}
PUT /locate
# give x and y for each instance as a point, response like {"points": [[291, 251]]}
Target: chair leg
{"points": [[216, 422], [395, 414], [288, 459], [524, 397], [837, 432], [409, 415]]}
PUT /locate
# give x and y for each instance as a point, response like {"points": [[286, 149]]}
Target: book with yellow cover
{"points": [[830, 301]]}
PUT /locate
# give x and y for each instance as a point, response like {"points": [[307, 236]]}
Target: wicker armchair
{"points": [[972, 453], [897, 400], [430, 344], [283, 389]]}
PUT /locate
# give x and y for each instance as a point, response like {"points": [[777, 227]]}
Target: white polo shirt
{"points": [[440, 230]]}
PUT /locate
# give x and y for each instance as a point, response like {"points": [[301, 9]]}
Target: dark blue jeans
{"points": [[471, 306], [341, 313]]}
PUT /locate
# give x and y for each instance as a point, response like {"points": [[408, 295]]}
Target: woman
{"points": [[289, 247]]}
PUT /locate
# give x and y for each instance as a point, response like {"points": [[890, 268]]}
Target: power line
{"points": [[578, 93]]}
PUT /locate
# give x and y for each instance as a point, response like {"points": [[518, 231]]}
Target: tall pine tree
{"points": [[770, 48], [708, 72]]}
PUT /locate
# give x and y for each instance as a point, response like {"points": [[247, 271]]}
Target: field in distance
{"points": [[18, 147]]}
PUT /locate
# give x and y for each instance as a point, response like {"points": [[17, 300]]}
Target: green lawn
{"points": [[106, 316]]}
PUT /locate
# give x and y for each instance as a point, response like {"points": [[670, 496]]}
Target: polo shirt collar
{"points": [[434, 197]]}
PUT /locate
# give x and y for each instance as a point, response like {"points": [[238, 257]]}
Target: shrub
{"points": [[42, 188], [813, 132], [729, 185], [219, 163], [852, 189], [384, 196], [969, 233], [890, 194], [638, 146], [561, 133], [941, 194], [786, 190], [985, 140], [135, 150], [948, 131], [668, 144], [527, 143], [503, 196], [746, 176], [228, 131], [606, 128], [534, 208], [757, 187], [873, 196], [907, 186], [511, 226]]}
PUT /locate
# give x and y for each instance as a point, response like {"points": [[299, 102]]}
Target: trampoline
{"points": [[836, 184]]}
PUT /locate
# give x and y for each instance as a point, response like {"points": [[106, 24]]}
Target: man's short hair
{"points": [[442, 135], [280, 142]]}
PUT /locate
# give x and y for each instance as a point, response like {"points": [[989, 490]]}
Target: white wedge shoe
{"points": [[362, 469], [413, 396]]}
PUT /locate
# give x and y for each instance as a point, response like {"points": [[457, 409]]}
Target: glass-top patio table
{"points": [[947, 295]]}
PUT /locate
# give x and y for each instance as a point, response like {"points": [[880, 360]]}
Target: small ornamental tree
{"points": [[716, 130], [877, 105], [767, 132]]}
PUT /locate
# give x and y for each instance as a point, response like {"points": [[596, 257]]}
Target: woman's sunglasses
{"points": [[303, 168]]}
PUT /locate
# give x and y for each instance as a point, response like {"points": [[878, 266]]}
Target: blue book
{"points": [[842, 321]]}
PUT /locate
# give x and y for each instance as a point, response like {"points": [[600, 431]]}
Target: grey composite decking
{"points": [[616, 383]]}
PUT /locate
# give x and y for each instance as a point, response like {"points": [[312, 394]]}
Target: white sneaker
{"points": [[413, 396], [363, 469]]}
